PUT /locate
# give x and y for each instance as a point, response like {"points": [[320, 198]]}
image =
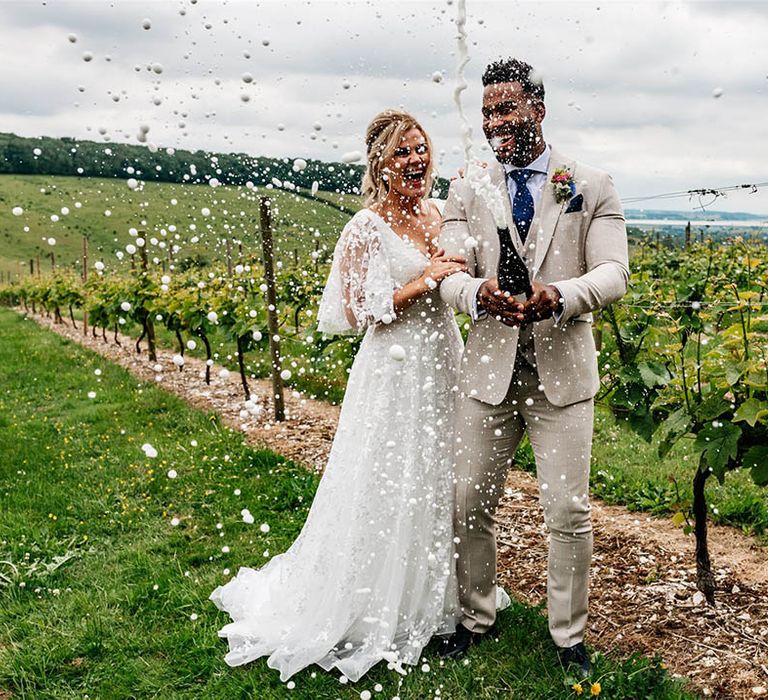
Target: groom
{"points": [[529, 368]]}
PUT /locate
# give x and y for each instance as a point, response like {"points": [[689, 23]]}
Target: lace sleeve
{"points": [[359, 291]]}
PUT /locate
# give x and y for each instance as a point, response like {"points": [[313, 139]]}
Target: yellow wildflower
{"points": [[577, 688], [595, 689]]}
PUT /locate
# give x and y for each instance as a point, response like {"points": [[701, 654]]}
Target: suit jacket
{"points": [[580, 245]]}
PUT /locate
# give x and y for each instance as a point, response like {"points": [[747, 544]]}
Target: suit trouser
{"points": [[487, 437]]}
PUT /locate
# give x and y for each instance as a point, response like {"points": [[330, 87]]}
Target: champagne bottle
{"points": [[512, 273]]}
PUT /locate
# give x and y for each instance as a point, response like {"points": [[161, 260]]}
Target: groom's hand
{"points": [[500, 305], [543, 303]]}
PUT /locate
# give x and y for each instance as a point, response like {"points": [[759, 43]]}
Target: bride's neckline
{"points": [[406, 241]]}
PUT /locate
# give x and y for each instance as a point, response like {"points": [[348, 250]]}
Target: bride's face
{"points": [[407, 169]]}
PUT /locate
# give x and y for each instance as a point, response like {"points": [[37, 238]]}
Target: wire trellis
{"points": [[714, 192], [698, 306]]}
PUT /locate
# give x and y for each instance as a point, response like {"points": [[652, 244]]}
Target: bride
{"points": [[371, 576]]}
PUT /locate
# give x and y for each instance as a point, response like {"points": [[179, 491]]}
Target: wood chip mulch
{"points": [[643, 592]]}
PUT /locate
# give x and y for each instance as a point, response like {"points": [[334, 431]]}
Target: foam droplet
{"points": [[148, 450], [351, 157]]}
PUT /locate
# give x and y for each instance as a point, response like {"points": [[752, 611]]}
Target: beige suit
{"points": [[546, 389]]}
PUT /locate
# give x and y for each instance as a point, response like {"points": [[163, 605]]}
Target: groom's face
{"points": [[512, 123]]}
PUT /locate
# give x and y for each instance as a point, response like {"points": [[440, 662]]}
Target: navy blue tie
{"points": [[522, 204]]}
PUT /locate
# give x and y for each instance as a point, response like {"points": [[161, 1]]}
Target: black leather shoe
{"points": [[578, 656], [457, 644]]}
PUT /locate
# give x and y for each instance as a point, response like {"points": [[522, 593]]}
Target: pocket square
{"points": [[575, 204]]}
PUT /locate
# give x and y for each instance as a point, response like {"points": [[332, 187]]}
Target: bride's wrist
{"points": [[424, 284]]}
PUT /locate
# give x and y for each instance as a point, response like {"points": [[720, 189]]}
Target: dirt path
{"points": [[643, 591]]}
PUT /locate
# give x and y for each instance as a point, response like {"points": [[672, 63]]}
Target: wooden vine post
{"points": [[85, 279], [149, 326], [269, 278], [229, 257]]}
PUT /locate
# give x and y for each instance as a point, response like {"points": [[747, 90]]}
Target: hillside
{"points": [[104, 210]]}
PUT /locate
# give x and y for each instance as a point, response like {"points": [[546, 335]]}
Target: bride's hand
{"points": [[441, 266]]}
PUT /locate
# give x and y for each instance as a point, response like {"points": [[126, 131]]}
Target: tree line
{"points": [[46, 155]]}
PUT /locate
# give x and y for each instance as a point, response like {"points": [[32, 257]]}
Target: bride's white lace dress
{"points": [[371, 576]]}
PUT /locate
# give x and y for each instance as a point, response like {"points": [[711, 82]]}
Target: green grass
{"points": [[295, 222], [109, 584], [626, 470]]}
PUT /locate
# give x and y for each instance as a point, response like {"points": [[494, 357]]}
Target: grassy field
{"points": [[104, 596], [233, 210]]}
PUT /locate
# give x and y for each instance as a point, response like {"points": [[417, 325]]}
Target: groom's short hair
{"points": [[513, 70]]}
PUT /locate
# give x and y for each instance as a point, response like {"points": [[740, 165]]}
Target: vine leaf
{"points": [[751, 411], [713, 406], [654, 374], [672, 429], [757, 458], [733, 371], [718, 443], [642, 422]]}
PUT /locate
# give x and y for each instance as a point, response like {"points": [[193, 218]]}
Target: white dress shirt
{"points": [[536, 182]]}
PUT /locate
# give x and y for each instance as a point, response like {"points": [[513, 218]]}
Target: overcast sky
{"points": [[632, 87]]}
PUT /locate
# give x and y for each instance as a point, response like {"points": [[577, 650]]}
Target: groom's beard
{"points": [[526, 145]]}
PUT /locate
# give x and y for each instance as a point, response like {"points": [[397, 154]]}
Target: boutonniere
{"points": [[565, 187]]}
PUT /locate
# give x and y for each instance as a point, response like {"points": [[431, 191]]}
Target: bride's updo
{"points": [[381, 139]]}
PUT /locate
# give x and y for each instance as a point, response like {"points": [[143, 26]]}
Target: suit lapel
{"points": [[549, 211]]}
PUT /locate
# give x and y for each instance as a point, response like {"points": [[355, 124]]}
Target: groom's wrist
{"points": [[478, 311], [559, 311]]}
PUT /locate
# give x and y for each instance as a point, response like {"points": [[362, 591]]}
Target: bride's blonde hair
{"points": [[383, 136]]}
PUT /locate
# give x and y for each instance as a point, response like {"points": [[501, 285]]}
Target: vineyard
{"points": [[682, 357]]}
